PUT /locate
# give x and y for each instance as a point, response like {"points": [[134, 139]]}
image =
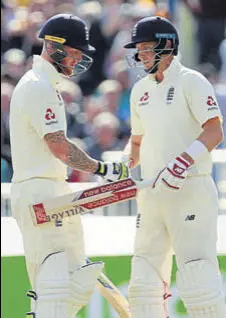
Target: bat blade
{"points": [[113, 296], [82, 202]]}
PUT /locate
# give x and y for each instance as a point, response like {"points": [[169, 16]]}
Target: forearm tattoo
{"points": [[70, 153]]}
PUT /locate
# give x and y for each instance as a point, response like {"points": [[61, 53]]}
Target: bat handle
{"points": [[144, 184]]}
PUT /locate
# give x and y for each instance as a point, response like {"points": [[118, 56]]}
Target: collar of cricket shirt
{"points": [[171, 72], [47, 68]]}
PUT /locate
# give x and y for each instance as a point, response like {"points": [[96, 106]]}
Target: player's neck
{"points": [[46, 57], [159, 75]]}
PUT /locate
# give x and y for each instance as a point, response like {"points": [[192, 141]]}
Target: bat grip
{"points": [[145, 184]]}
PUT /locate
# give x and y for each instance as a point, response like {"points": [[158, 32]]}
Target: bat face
{"points": [[81, 202], [109, 187], [113, 296], [42, 216], [116, 197]]}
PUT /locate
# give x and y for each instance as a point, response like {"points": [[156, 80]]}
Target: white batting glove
{"points": [[113, 171], [173, 175]]}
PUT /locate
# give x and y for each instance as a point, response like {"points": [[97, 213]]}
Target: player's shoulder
{"points": [[192, 78], [38, 83], [31, 81], [30, 89], [140, 84]]}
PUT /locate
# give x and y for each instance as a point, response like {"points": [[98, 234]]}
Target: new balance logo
{"points": [[190, 217], [177, 169]]}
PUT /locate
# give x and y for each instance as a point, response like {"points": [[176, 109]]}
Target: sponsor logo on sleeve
{"points": [[211, 103], [50, 117]]}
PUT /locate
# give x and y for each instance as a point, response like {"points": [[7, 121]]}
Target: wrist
{"points": [[187, 157], [197, 151], [181, 162], [125, 157], [101, 169]]}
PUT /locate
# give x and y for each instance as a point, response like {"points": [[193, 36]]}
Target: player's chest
{"points": [[59, 99], [160, 102]]}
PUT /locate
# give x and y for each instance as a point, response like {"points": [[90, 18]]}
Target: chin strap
{"points": [[58, 68], [160, 49], [154, 68]]}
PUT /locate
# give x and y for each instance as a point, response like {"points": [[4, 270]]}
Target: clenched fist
{"points": [[113, 171], [173, 175]]}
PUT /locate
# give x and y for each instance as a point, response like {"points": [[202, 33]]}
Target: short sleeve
{"points": [[136, 124], [201, 98], [45, 112]]}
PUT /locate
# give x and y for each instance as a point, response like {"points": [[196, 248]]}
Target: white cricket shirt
{"points": [[170, 116], [36, 109]]}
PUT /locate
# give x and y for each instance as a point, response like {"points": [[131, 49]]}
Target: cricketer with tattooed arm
{"points": [[62, 282]]}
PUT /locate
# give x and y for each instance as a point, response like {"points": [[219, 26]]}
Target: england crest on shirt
{"points": [[170, 95]]}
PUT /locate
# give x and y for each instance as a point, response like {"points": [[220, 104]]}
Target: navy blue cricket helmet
{"points": [[155, 29], [69, 28]]}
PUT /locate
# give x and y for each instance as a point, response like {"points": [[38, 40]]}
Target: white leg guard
{"points": [[147, 292], [199, 285], [61, 294]]}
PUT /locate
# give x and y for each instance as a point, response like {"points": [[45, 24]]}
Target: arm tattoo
{"points": [[56, 137], [69, 153]]}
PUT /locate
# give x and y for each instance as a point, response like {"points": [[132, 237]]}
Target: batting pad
{"points": [[199, 285], [147, 292], [61, 294]]}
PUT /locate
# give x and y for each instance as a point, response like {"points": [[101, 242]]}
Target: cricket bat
{"points": [[112, 294], [84, 201]]}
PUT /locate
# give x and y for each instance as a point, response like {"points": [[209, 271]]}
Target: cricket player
{"points": [[175, 124], [62, 282]]}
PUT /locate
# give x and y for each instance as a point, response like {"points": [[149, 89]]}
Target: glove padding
{"points": [[173, 175], [113, 171]]}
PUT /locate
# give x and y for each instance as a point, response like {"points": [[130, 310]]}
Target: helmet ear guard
{"points": [[56, 51], [136, 58]]}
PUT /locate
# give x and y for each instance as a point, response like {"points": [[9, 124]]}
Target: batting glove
{"points": [[113, 171], [173, 175]]}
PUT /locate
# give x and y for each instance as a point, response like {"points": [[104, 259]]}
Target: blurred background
{"points": [[97, 102]]}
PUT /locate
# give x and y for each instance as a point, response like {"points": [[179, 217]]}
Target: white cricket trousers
{"points": [[41, 241], [184, 220]]}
